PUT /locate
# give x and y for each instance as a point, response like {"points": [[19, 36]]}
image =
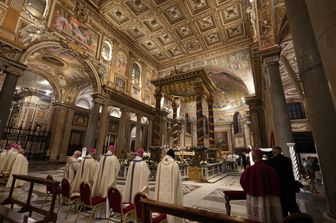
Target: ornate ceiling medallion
{"points": [[197, 6], [153, 25], [135, 32], [213, 39], [137, 6], [81, 11], [231, 14], [206, 24], [149, 45], [175, 51], [184, 32], [174, 14], [193, 46], [235, 31], [160, 56], [165, 39], [118, 16]]}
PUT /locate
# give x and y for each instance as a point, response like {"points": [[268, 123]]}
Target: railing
{"points": [[50, 216], [34, 142], [187, 213]]}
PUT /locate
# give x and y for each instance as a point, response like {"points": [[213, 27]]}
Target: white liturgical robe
{"points": [[2, 159], [85, 173], [168, 186], [137, 179], [71, 168], [106, 175], [9, 160], [20, 167]]}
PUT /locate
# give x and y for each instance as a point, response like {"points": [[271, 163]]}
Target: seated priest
{"points": [[107, 173], [72, 166], [20, 166], [137, 177], [86, 171]]}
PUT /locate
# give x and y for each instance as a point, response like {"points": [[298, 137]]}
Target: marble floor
{"points": [[207, 196]]}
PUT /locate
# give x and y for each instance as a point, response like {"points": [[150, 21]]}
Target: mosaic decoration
{"points": [[64, 23]]}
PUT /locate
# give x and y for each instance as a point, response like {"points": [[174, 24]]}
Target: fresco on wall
{"points": [[221, 140], [121, 63], [65, 23]]}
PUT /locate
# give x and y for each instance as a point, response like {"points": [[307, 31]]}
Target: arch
{"points": [[95, 80], [83, 103]]}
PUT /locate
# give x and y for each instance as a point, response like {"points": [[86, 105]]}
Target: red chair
{"points": [[116, 205], [51, 192], [67, 197], [87, 200], [156, 217]]}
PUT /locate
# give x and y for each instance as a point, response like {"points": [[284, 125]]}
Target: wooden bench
{"points": [[50, 216], [9, 215], [231, 195]]}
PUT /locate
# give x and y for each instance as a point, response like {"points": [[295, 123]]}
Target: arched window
{"points": [[107, 51], [136, 74], [237, 123]]}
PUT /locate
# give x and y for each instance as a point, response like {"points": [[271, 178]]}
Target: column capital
{"points": [[11, 67]]}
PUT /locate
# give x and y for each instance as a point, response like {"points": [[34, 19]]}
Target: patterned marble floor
{"points": [[207, 196]]}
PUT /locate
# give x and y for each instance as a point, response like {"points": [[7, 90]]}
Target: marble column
{"points": [[175, 124], [121, 138], [246, 133], [149, 134], [257, 122], [56, 138], [138, 140], [199, 114], [12, 70], [164, 128], [282, 126], [91, 131], [320, 108], [103, 124], [323, 19], [156, 133], [211, 123], [70, 112]]}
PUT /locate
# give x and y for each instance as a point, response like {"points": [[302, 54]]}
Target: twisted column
{"points": [[211, 123], [156, 136], [199, 114], [175, 124]]}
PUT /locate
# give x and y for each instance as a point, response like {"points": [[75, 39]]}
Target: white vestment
{"points": [[85, 173], [71, 168], [9, 161], [2, 159], [20, 167], [264, 208], [168, 186], [137, 179], [106, 175]]}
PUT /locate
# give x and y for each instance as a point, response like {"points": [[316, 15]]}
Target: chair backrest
{"points": [[137, 198], [298, 218], [65, 188], [85, 193], [50, 188], [115, 199]]}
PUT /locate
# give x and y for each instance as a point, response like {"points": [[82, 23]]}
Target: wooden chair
{"points": [[50, 192], [88, 201], [116, 205], [231, 195], [67, 197], [156, 217]]}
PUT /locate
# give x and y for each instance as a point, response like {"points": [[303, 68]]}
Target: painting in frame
{"points": [[120, 84], [221, 140], [66, 24]]}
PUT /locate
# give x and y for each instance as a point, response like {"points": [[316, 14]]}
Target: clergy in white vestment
{"points": [[2, 158], [107, 173], [9, 159], [168, 186], [72, 166], [86, 171], [20, 167], [137, 177]]}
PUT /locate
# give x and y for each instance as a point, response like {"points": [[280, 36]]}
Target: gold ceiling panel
{"points": [[169, 30]]}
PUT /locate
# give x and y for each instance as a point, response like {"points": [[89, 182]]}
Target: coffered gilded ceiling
{"points": [[170, 30]]}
